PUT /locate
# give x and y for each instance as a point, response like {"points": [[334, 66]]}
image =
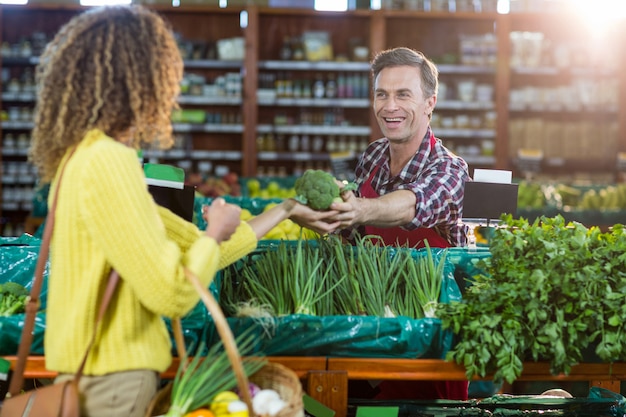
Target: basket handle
{"points": [[226, 335]]}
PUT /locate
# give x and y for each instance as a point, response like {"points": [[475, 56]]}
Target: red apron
{"points": [[396, 236]]}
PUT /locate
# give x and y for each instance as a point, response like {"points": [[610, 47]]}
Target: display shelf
{"points": [[211, 64], [315, 66], [465, 69], [315, 129], [466, 133], [563, 108], [564, 82], [316, 102], [16, 125], [207, 127], [193, 154], [209, 101], [25, 97], [464, 105], [293, 156], [326, 378]]}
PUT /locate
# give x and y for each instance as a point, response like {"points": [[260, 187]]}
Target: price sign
{"points": [[343, 165], [529, 160]]}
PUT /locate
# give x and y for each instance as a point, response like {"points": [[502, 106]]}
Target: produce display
{"points": [[285, 230], [609, 197], [530, 195], [534, 195], [273, 188], [326, 277], [215, 186], [552, 291]]}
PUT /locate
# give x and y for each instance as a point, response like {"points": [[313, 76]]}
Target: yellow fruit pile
{"points": [[285, 230], [272, 190]]}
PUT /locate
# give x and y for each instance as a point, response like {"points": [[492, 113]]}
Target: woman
{"points": [[107, 84]]}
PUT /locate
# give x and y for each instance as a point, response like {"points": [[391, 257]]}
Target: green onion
{"points": [[423, 284], [198, 381]]}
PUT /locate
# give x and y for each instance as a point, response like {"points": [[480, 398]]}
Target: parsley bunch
{"points": [[552, 291]]}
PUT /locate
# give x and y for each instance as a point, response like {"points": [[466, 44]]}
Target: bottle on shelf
{"points": [[341, 85], [305, 143], [319, 90], [285, 50], [294, 142], [317, 144], [297, 49], [331, 86]]}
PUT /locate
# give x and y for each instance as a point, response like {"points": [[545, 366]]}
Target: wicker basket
{"points": [[272, 376], [284, 381]]}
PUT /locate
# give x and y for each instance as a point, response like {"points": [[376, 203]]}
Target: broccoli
{"points": [[13, 298], [318, 189]]}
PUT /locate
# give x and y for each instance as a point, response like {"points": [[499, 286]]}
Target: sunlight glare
{"points": [[600, 12], [103, 2], [331, 5]]}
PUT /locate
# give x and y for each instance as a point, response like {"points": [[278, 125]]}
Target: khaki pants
{"points": [[119, 394]]}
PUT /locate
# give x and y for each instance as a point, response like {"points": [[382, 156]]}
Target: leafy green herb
{"points": [[553, 291]]}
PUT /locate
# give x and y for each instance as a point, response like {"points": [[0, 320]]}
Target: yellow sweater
{"points": [[106, 217]]}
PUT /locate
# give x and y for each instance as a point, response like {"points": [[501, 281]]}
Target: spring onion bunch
{"points": [[290, 280], [198, 381], [370, 270], [422, 279], [327, 277]]}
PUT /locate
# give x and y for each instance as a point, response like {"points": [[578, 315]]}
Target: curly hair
{"points": [[117, 69]]}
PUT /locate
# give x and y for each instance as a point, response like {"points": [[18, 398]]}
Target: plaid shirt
{"points": [[434, 174]]}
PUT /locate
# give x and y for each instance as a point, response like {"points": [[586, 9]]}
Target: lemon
{"points": [[245, 214], [220, 402], [254, 186]]}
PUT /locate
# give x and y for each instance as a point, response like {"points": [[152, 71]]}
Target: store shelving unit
{"points": [[566, 96], [478, 113]]}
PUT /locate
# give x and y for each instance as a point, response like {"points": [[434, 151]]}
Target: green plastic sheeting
{"points": [[18, 257], [345, 336]]}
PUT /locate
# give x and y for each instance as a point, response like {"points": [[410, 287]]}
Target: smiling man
{"points": [[410, 187]]}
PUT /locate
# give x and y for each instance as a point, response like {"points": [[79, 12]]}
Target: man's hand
{"points": [[318, 221], [347, 211]]}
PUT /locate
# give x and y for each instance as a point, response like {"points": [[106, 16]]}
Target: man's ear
{"points": [[431, 101]]}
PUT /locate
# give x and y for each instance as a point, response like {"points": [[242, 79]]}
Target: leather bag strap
{"points": [[17, 379]]}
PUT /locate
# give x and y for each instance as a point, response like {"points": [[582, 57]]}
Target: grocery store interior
{"points": [[273, 88], [530, 86]]}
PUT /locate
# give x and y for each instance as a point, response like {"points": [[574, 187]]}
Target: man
{"points": [[410, 187]]}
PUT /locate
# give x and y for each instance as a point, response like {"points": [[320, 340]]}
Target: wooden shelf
{"points": [[326, 378]]}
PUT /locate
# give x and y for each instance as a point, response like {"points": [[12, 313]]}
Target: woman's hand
{"points": [[222, 219]]}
